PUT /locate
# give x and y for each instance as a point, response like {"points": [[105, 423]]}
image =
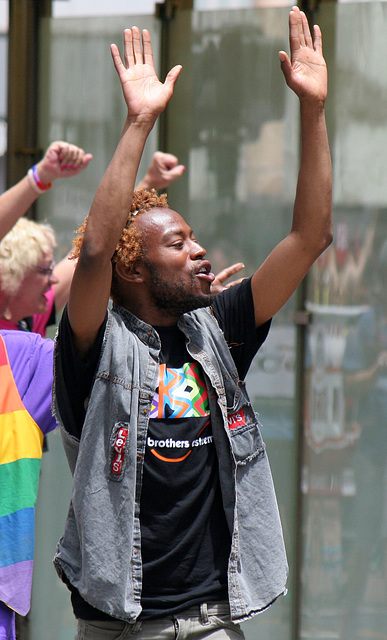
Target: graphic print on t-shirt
{"points": [[180, 416], [182, 393]]}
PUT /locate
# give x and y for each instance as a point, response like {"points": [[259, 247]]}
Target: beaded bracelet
{"points": [[35, 181]]}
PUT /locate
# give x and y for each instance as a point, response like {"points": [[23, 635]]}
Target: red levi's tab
{"points": [[236, 419], [119, 448]]}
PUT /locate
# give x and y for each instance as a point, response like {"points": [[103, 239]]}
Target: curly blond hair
{"points": [[22, 249], [129, 247]]}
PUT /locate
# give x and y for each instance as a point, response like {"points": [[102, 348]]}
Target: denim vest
{"points": [[100, 550]]}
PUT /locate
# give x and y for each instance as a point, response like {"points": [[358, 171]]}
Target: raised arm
{"points": [[146, 97], [311, 231], [61, 160]]}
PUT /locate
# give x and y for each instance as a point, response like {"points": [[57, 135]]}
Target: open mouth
{"points": [[43, 299], [204, 273]]}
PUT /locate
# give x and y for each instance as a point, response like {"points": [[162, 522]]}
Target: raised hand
{"points": [[146, 97], [163, 170], [219, 285], [62, 160], [305, 73]]}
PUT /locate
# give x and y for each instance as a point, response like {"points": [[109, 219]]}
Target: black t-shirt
{"points": [[185, 540], [184, 535]]}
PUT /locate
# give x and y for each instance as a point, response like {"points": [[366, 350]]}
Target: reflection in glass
{"points": [[344, 579], [345, 448]]}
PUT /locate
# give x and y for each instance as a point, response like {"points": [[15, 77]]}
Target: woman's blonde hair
{"points": [[21, 250]]}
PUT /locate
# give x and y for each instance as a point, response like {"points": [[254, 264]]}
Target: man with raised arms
{"points": [[167, 541]]}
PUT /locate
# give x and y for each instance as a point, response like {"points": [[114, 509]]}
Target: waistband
{"points": [[204, 610], [123, 630]]}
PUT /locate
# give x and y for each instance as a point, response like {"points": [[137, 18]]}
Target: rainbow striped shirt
{"points": [[21, 440]]}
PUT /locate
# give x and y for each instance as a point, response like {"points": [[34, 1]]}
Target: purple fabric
{"points": [[16, 585], [7, 623], [31, 360]]}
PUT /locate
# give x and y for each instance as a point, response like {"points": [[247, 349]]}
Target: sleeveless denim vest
{"points": [[100, 550]]}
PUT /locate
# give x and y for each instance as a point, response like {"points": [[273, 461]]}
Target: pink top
{"points": [[39, 321]]}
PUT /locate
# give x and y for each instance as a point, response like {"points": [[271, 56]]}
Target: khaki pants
{"points": [[197, 623]]}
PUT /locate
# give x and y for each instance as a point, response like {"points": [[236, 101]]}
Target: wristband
{"points": [[35, 181]]}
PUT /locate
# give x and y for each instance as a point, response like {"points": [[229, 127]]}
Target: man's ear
{"points": [[130, 275]]}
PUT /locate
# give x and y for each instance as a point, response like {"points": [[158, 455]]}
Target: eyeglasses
{"points": [[46, 271]]}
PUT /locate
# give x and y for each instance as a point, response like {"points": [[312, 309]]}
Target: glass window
{"points": [[4, 16], [345, 446], [211, 5], [89, 8], [82, 103]]}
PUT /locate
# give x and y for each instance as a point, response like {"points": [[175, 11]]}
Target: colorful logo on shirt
{"points": [[182, 393]]}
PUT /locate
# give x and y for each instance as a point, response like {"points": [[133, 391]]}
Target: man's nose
{"points": [[198, 251]]}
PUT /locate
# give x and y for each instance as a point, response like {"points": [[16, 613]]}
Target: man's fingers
{"points": [[295, 29], [306, 31], [118, 64], [299, 25], [286, 66], [218, 285], [137, 50], [128, 48], [147, 47], [173, 76], [229, 271], [317, 39]]}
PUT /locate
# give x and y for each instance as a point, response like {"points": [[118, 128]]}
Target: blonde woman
{"points": [[31, 286]]}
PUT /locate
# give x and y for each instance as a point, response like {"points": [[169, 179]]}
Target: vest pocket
{"points": [[244, 428]]}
